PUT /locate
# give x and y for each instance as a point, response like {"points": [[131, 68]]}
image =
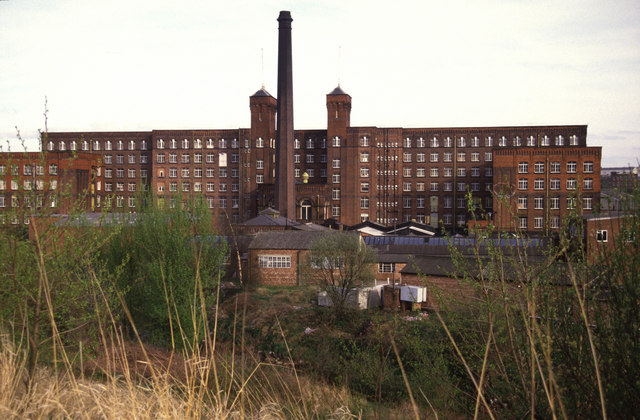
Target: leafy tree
{"points": [[339, 262], [170, 261]]}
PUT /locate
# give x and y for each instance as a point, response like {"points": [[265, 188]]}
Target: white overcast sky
{"points": [[143, 65]]}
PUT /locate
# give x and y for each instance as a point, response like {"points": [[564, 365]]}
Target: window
{"points": [[310, 144], [488, 171], [434, 142], [475, 171], [211, 158], [420, 186], [447, 202], [517, 141], [572, 167], [173, 172], [447, 157], [462, 142], [407, 142], [296, 172], [587, 203], [488, 142], [335, 164], [120, 186], [572, 183], [274, 261], [143, 158], [223, 173], [523, 184], [364, 187], [364, 157], [554, 184], [386, 267], [433, 157], [588, 184], [420, 172], [488, 156], [502, 141], [222, 143], [448, 186], [602, 235], [185, 173], [475, 157], [434, 172], [475, 186], [537, 222], [433, 186], [538, 168], [309, 159], [523, 167], [235, 172], [335, 211], [420, 142], [364, 172], [555, 167], [335, 142], [406, 186], [364, 141], [587, 167], [462, 171], [554, 203], [406, 157], [259, 164], [559, 141], [211, 187], [235, 158], [160, 158], [461, 202], [173, 186], [448, 172], [538, 184], [364, 202], [185, 157], [211, 143], [120, 159], [538, 203], [462, 156], [406, 202], [131, 187], [131, 173], [573, 140], [554, 222], [420, 202], [406, 172], [531, 141], [448, 142], [311, 172], [120, 145], [523, 222], [108, 173], [335, 178], [462, 186], [522, 203], [223, 187], [211, 172], [335, 194], [571, 203], [545, 141]]}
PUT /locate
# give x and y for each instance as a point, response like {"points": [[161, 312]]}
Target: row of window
{"points": [[198, 186], [131, 159], [516, 141], [198, 144], [29, 169], [197, 158], [131, 173], [538, 222], [108, 145], [555, 183], [554, 203], [28, 184], [554, 167], [52, 201]]}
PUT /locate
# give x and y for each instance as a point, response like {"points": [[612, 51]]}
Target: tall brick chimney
{"points": [[284, 185]]}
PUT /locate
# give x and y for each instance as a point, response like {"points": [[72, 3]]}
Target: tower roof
{"points": [[262, 92], [338, 91]]}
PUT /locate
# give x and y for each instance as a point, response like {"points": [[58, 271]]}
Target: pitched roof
{"points": [[262, 92], [295, 240], [338, 91]]}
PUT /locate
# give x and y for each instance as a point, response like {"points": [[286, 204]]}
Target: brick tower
{"points": [[284, 185]]}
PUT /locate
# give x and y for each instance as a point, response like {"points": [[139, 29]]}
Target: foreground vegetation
{"points": [[121, 322]]}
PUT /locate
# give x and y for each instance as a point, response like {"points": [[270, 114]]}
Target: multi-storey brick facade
{"points": [[33, 184], [349, 174]]}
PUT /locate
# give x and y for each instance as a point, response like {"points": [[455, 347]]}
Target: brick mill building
{"points": [[346, 174]]}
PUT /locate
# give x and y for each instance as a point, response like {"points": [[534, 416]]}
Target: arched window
{"points": [[160, 144], [143, 145], [74, 145], [185, 143], [197, 144], [132, 145], [96, 145], [296, 143], [305, 207], [173, 144], [85, 145], [120, 145], [107, 145], [50, 146], [62, 146]]}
